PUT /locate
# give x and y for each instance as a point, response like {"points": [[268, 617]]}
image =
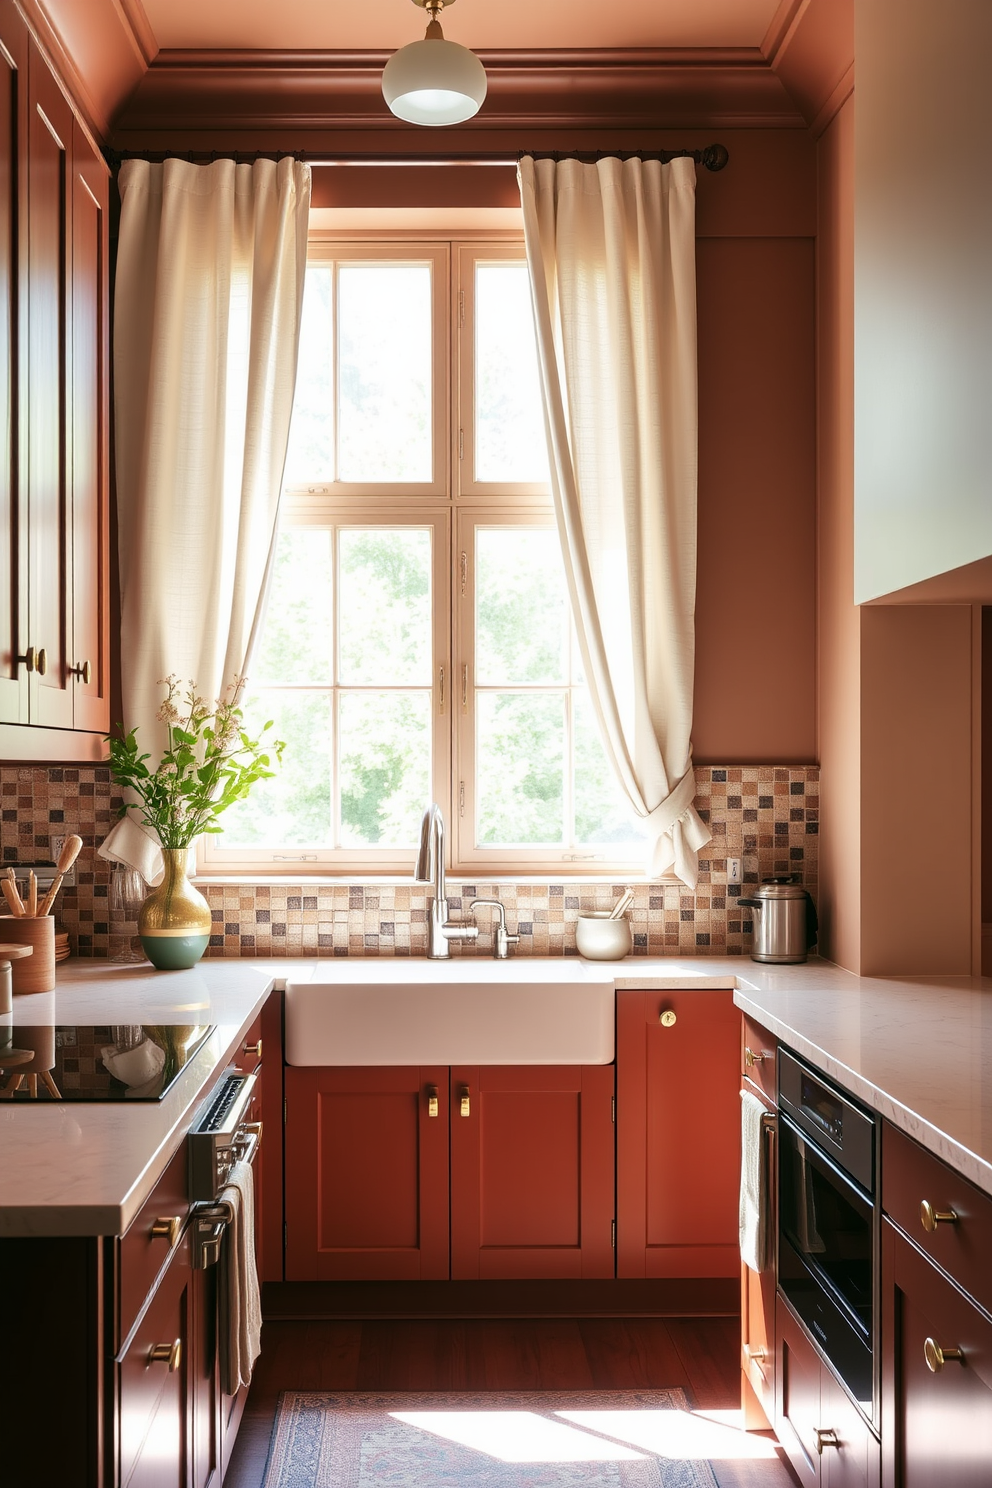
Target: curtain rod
{"points": [[712, 157]]}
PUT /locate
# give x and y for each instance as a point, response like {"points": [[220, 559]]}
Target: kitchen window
{"points": [[417, 643]]}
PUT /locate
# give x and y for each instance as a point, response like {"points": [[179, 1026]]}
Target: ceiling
{"points": [[482, 24]]}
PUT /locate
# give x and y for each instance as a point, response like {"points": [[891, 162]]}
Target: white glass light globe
{"points": [[434, 82]]}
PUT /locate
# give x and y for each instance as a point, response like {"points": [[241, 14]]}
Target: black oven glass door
{"points": [[826, 1257]]}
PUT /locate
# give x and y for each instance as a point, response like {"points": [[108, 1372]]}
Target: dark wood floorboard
{"points": [[699, 1355]]}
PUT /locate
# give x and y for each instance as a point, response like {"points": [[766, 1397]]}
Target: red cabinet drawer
{"points": [[758, 1061], [142, 1253], [153, 1390], [962, 1246]]}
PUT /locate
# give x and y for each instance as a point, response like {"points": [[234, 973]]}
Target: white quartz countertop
{"points": [[918, 1050]]}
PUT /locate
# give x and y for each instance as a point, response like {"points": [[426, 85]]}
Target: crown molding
{"points": [[221, 99]]}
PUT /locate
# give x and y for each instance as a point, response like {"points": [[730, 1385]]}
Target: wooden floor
{"points": [[698, 1354]]}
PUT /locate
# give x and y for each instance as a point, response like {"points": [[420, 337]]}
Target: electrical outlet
{"points": [[733, 870], [55, 846]]}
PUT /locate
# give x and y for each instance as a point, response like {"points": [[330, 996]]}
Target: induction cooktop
{"points": [[103, 1062]]}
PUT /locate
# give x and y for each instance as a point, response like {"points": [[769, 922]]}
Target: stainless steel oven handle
{"points": [[247, 1140]]}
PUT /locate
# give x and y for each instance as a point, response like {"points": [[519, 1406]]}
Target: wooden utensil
{"points": [[70, 852], [12, 897], [32, 904]]}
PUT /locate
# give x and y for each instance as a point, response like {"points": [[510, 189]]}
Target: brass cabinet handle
{"points": [[755, 1355], [254, 1051], [930, 1217], [42, 662], [936, 1357], [667, 1019], [825, 1437], [432, 1103], [83, 671], [754, 1056], [465, 1108], [167, 1353], [29, 659], [168, 1229]]}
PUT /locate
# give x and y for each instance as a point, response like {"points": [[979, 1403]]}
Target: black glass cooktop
{"points": [[112, 1062]]}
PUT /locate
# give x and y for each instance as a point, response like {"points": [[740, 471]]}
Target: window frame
{"points": [[454, 503]]}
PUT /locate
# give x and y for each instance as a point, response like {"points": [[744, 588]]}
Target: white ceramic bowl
{"points": [[599, 938]]}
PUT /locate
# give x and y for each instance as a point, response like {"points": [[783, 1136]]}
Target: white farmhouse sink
{"points": [[463, 1011]]}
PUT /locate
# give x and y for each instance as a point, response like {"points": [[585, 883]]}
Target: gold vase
{"points": [[174, 921]]}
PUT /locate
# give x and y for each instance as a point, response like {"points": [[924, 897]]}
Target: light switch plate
{"points": [[733, 870]]}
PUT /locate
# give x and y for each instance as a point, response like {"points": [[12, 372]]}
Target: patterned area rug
{"points": [[619, 1439]]}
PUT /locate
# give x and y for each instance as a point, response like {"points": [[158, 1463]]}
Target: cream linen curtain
{"points": [[611, 252], [208, 300]]}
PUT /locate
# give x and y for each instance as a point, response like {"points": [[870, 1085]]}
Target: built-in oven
{"points": [[828, 1225], [221, 1135]]}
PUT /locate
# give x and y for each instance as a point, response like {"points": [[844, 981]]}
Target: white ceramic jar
{"points": [[599, 938]]}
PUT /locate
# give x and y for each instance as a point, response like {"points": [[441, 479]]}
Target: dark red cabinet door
{"points": [[937, 1426], [678, 1134], [366, 1174], [532, 1172]]}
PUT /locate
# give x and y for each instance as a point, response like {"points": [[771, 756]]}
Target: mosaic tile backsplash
{"points": [[766, 815]]}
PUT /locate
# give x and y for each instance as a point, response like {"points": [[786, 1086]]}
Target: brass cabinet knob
{"points": [[168, 1229], [936, 1357], [29, 659], [254, 1051], [42, 662], [754, 1056], [83, 670], [825, 1437], [754, 1355], [667, 1019], [432, 1102], [465, 1107], [167, 1353], [930, 1217]]}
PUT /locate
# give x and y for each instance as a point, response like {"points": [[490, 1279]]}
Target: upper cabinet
{"points": [[54, 503]]}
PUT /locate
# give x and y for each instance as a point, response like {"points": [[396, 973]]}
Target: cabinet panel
{"points": [[678, 1134], [366, 1174], [758, 1359], [13, 251], [142, 1254], [758, 1058], [153, 1393], [532, 1172], [49, 145], [90, 620], [797, 1402], [937, 1426]]}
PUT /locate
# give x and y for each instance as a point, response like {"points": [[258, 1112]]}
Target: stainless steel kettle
{"points": [[784, 921]]}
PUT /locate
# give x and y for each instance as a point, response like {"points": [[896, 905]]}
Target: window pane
{"points": [[294, 808], [311, 438], [522, 615], [297, 637], [384, 399], [602, 812], [520, 759], [384, 588], [385, 767], [510, 443]]}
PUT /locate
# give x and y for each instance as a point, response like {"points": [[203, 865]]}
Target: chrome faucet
{"points": [[430, 869], [501, 940]]}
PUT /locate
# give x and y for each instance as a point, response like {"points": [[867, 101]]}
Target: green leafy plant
{"points": [[211, 762]]}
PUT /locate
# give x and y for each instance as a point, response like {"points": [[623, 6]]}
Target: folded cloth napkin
{"points": [[240, 1302], [754, 1185]]}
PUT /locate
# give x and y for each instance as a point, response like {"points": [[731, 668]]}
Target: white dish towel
{"points": [[240, 1302], [754, 1184]]}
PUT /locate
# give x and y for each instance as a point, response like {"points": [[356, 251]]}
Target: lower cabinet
{"points": [[936, 1375], [678, 1134], [828, 1442], [514, 1163]]}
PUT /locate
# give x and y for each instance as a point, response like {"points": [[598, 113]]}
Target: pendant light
{"points": [[434, 81]]}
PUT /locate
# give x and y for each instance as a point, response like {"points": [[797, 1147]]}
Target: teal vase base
{"points": [[174, 952]]}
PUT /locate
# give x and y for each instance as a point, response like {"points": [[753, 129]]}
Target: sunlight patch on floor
{"points": [[518, 1436], [714, 1436]]}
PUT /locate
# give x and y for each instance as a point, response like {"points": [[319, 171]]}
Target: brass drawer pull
{"points": [[167, 1353], [465, 1107], [930, 1217], [667, 1019], [936, 1357], [254, 1051], [42, 662], [29, 659], [825, 1437], [83, 671], [432, 1102], [754, 1056], [168, 1229]]}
